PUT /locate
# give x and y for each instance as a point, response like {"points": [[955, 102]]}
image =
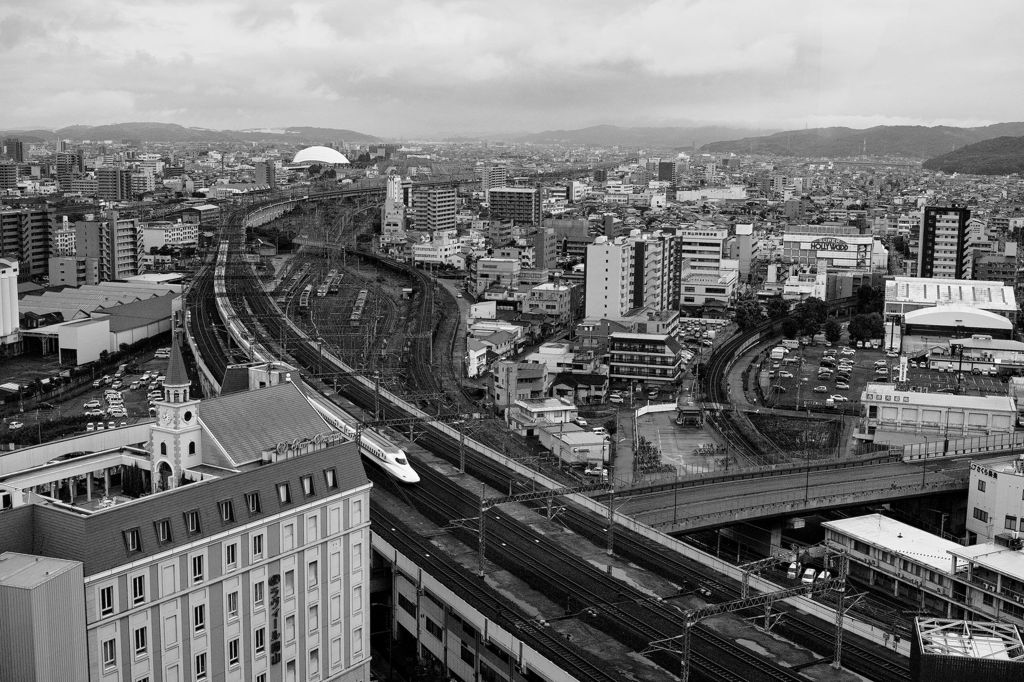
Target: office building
{"points": [[833, 247], [234, 545], [519, 204], [8, 176], [545, 248], [25, 236], [14, 149], [266, 173], [114, 184], [491, 177], [177, 234], [433, 208], [117, 245], [68, 166], [942, 243], [392, 218], [63, 240]]}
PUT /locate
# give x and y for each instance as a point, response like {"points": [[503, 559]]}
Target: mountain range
{"points": [[171, 132], [917, 142], [998, 156], [677, 137]]}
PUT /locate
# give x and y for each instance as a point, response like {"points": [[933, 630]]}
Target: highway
{"points": [[679, 509]]}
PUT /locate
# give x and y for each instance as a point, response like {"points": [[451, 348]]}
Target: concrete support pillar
{"points": [[776, 536], [88, 487], [106, 482]]}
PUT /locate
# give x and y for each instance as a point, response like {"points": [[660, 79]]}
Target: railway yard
{"points": [[546, 573]]}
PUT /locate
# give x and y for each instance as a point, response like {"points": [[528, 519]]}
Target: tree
{"points": [[866, 326], [833, 330], [790, 328], [777, 307], [870, 299], [748, 312]]}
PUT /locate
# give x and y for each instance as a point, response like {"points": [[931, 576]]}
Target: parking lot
{"points": [[136, 402], [796, 378]]}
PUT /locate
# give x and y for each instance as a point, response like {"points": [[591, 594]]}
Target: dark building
{"points": [[521, 204], [666, 171], [8, 175], [942, 242], [25, 236], [115, 184], [14, 149], [600, 175]]}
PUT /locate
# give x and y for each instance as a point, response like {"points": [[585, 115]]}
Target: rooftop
{"points": [[996, 558], [989, 295], [970, 639], [26, 571], [889, 393], [900, 538]]}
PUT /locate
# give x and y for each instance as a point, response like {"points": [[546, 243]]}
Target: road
{"points": [[693, 508]]}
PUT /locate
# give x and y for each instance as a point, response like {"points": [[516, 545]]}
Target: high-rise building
{"points": [[545, 246], [114, 184], [666, 171], [68, 166], [266, 173], [434, 208], [942, 243], [521, 204], [14, 149], [8, 176], [116, 243], [9, 315], [74, 271], [235, 545], [63, 241], [25, 236], [392, 217], [493, 176]]}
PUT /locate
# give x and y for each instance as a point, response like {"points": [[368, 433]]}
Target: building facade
{"points": [[942, 243], [519, 204], [116, 243], [433, 208], [651, 359], [25, 236]]}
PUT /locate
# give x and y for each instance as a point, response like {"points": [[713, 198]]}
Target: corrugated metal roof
{"points": [[249, 422]]}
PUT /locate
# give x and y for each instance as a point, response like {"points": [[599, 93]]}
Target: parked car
{"points": [[117, 384], [615, 399], [91, 404], [785, 375], [842, 386], [15, 425], [111, 425], [134, 385], [808, 577], [596, 471], [840, 398], [821, 389], [97, 383], [580, 421], [91, 426], [94, 412], [117, 412], [794, 571], [850, 351], [600, 430], [892, 354]]}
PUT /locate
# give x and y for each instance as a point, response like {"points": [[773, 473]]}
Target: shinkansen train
{"points": [[372, 445]]}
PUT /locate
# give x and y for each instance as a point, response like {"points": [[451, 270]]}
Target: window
{"points": [[434, 629], [307, 485], [1010, 523], [140, 641], [163, 531], [227, 511], [284, 493], [199, 618], [289, 583], [262, 677], [109, 648], [406, 604], [313, 618], [312, 574], [289, 628], [259, 639], [233, 652], [257, 594], [232, 604], [201, 666], [107, 600], [252, 502], [981, 486], [314, 662], [138, 589], [192, 521], [231, 555], [257, 547], [197, 568], [132, 541], [467, 655], [981, 515], [330, 479]]}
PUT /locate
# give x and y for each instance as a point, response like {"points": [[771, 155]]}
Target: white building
{"points": [[178, 234], [700, 287], [497, 272], [995, 500], [554, 300], [839, 247], [704, 248], [441, 247], [904, 294], [9, 314], [890, 415], [527, 416]]}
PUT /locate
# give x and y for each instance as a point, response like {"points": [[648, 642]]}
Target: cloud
{"points": [[418, 66]]}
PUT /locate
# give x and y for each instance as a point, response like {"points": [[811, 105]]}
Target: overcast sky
{"points": [[407, 68]]}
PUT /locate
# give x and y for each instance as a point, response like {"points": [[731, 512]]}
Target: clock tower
{"points": [[176, 437]]}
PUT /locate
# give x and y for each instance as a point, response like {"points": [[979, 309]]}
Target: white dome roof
{"points": [[948, 315], [319, 155]]}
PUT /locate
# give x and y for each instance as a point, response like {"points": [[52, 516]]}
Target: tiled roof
{"points": [[236, 379], [249, 422]]}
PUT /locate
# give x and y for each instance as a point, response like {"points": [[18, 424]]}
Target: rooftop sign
{"points": [[829, 244]]}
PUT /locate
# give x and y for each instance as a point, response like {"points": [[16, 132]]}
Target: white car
{"points": [[839, 398], [91, 404], [596, 471], [786, 375], [117, 412], [615, 399], [15, 425], [821, 389], [848, 351], [842, 386]]}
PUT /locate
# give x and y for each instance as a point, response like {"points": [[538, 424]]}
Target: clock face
{"points": [[165, 418]]}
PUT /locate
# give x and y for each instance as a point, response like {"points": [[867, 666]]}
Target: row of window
{"points": [[193, 520]]}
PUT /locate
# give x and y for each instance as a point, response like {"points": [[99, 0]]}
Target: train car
{"points": [[372, 446], [304, 297]]}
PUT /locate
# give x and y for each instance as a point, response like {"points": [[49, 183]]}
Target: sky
{"points": [[423, 68]]}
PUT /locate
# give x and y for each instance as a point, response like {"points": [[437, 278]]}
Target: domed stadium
{"points": [[326, 155]]}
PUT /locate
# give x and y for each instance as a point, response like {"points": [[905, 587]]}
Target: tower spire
{"points": [[176, 374]]}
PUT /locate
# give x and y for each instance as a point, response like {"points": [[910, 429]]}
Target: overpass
{"points": [[691, 505]]}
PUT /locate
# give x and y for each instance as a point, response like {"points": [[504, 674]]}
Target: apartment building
{"points": [[114, 184], [519, 204], [234, 546], [74, 271], [433, 208], [177, 234], [116, 243], [651, 359], [942, 243], [497, 273], [26, 236]]}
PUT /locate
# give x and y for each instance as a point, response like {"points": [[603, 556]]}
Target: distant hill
{"points": [[172, 132], [918, 142], [999, 156], [609, 135]]}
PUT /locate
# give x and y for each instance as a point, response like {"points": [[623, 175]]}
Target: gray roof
{"points": [[247, 423], [176, 374]]}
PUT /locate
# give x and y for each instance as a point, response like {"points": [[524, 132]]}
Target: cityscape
{"points": [[429, 344]]}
